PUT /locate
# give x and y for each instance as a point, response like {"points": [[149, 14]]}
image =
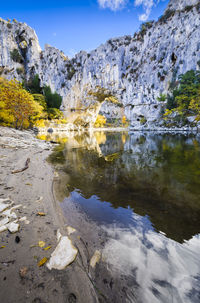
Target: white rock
{"points": [[9, 213], [137, 69], [4, 204], [4, 221], [64, 254], [3, 228], [13, 227], [70, 230], [24, 219], [16, 207]]}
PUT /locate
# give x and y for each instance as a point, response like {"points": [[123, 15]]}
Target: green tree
{"points": [[33, 85], [185, 91], [53, 100]]}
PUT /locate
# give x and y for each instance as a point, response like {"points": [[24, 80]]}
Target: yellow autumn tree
{"points": [[17, 106], [100, 121]]}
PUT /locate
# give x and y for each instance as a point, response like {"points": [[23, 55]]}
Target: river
{"points": [[143, 191]]}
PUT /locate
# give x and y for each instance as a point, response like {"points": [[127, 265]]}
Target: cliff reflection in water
{"points": [[134, 186], [150, 174]]}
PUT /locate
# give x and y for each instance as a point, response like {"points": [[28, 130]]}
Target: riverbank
{"points": [[39, 219]]}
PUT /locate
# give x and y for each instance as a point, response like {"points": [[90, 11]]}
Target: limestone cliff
{"points": [[136, 69]]}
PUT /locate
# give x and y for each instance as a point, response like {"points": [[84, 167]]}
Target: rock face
{"points": [[136, 69]]}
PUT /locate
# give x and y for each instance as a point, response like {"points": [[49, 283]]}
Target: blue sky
{"points": [[74, 25]]}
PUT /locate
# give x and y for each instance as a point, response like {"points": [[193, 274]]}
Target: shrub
{"points": [[143, 120], [40, 123], [41, 100], [20, 70], [144, 27], [33, 85], [15, 56], [100, 121], [9, 25], [168, 14], [188, 8], [162, 97], [184, 97], [101, 94], [54, 113], [70, 71], [53, 100]]}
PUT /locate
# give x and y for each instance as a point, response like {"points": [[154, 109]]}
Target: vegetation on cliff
{"points": [[27, 104], [184, 99]]}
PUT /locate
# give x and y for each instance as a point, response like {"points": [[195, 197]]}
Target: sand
{"points": [[21, 279]]}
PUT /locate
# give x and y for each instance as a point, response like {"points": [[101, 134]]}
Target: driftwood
{"points": [[24, 168]]}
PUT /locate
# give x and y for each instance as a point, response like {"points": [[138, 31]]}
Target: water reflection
{"points": [[154, 175], [166, 271], [144, 190]]}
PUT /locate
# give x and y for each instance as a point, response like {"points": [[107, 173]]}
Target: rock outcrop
{"points": [[136, 69]]}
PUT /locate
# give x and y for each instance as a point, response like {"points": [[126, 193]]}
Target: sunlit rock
{"points": [[64, 254], [136, 69], [13, 227], [95, 259]]}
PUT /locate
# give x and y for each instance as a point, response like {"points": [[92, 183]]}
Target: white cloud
{"points": [[147, 6], [114, 5]]}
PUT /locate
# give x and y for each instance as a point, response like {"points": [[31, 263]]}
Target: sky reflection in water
{"points": [[135, 186]]}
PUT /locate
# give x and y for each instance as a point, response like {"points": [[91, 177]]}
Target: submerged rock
{"points": [[95, 258], [70, 230]]}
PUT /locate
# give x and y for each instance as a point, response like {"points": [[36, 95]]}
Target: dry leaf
{"points": [[42, 262], [41, 243], [2, 246], [29, 184], [41, 214], [23, 271], [46, 248]]}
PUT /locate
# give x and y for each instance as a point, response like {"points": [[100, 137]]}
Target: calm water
{"points": [[144, 190]]}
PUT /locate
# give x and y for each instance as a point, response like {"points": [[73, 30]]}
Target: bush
{"points": [[20, 70], [144, 27], [143, 120], [15, 56], [162, 98], [70, 71], [185, 96], [100, 121], [41, 100], [53, 100], [33, 85], [54, 113], [168, 14]]}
